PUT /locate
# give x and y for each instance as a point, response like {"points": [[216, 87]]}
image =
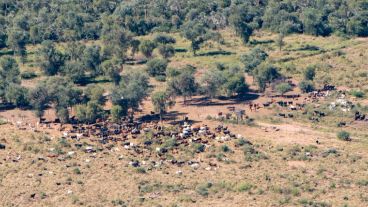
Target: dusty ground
{"points": [[295, 171]]}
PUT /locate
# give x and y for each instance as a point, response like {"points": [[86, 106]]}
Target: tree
{"points": [[63, 115], [51, 60], [235, 84], [182, 84], [265, 74], [241, 19], [278, 14], [131, 91], [135, 46], [358, 23], [3, 33], [197, 33], [147, 47], [161, 101], [117, 112], [164, 39], [17, 40], [89, 113], [166, 51], [39, 99], [306, 86], [280, 40], [309, 73], [212, 81], [314, 22], [283, 88], [112, 69], [17, 95], [75, 70], [91, 59], [9, 74], [253, 59], [115, 38], [157, 67], [95, 93], [59, 92], [74, 51]]}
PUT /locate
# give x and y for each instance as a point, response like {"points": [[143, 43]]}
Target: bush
{"points": [[166, 51], [309, 73], [344, 135], [357, 94], [141, 170], [164, 39], [28, 75], [117, 112], [283, 88], [198, 147], [243, 187], [160, 78], [306, 86], [157, 67], [203, 189], [147, 47], [77, 171], [225, 148]]}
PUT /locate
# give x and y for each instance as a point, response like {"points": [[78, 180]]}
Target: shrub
{"points": [[160, 78], [198, 147], [283, 88], [141, 170], [166, 51], [243, 187], [147, 47], [203, 189], [225, 148], [251, 154], [28, 75], [117, 112], [157, 67], [306, 86], [344, 135], [164, 39], [309, 73], [357, 94], [77, 171], [242, 142]]}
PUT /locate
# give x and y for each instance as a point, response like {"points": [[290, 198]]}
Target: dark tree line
{"points": [[30, 21]]}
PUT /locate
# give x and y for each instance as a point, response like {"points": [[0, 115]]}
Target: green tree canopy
{"points": [[161, 102], [157, 67]]}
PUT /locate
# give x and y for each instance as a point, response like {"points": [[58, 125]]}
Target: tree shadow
{"points": [[261, 42], [89, 80], [172, 117], [213, 53], [225, 101], [6, 52], [169, 116], [6, 106], [246, 97], [306, 48], [132, 61], [179, 50]]}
